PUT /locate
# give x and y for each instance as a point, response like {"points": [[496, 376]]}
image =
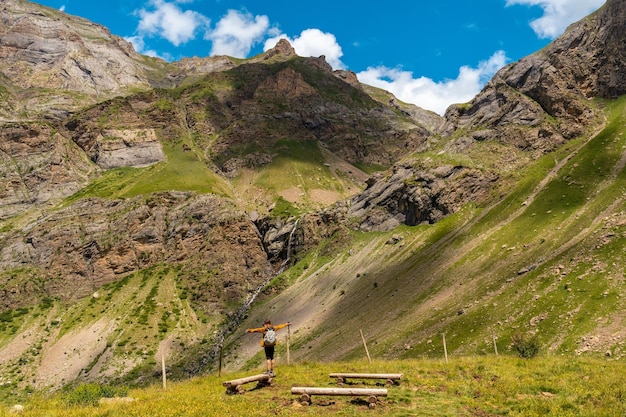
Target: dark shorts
{"points": [[269, 352]]}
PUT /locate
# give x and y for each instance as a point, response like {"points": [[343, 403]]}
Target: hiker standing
{"points": [[268, 341]]}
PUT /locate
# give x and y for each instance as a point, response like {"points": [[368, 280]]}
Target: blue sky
{"points": [[428, 52]]}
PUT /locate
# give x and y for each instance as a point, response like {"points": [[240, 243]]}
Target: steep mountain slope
{"points": [[54, 63], [182, 194], [533, 170], [143, 217], [547, 260]]}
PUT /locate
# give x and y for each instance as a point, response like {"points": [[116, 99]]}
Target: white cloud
{"points": [[558, 14], [432, 95], [236, 33], [313, 42], [170, 22]]}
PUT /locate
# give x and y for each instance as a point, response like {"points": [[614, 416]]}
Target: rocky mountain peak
{"points": [[283, 49], [596, 45], [42, 47], [588, 60]]}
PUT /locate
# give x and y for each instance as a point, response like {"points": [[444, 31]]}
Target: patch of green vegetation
{"points": [[8, 316], [4, 92], [163, 104], [163, 323], [116, 286], [183, 171], [7, 227], [526, 345], [146, 309], [284, 209], [370, 168], [297, 166], [46, 303], [484, 385], [90, 394]]}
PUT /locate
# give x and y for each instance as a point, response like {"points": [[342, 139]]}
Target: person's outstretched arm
{"points": [[256, 330], [280, 326]]}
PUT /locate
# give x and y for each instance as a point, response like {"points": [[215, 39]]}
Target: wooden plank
{"points": [[376, 392], [365, 376], [241, 381], [390, 379], [236, 385], [372, 394]]}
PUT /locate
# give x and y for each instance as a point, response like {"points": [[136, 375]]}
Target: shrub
{"points": [[90, 394], [526, 346]]}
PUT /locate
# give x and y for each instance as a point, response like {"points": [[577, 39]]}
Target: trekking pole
{"points": [[288, 338]]}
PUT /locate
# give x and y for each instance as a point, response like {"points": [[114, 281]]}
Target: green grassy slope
{"points": [[469, 386], [115, 334], [548, 260]]}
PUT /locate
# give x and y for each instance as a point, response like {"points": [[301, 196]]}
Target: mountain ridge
{"points": [[162, 218]]}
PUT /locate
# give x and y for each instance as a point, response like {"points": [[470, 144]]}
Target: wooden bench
{"points": [[372, 394], [390, 379], [236, 385]]}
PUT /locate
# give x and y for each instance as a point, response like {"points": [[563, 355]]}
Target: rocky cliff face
{"points": [[411, 195], [587, 61], [43, 49], [37, 166], [530, 107], [74, 251], [227, 116]]}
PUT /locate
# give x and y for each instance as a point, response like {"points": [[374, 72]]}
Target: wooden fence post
{"points": [[445, 348], [163, 370], [495, 346], [365, 344], [219, 369]]}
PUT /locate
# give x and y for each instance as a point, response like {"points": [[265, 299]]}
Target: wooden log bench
{"points": [[390, 379], [236, 385], [372, 394]]}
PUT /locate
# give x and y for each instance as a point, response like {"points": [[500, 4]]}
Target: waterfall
{"points": [[235, 319], [288, 257]]}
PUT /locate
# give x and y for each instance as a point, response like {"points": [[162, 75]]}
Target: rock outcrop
{"points": [[587, 61], [75, 251], [412, 195], [38, 165], [44, 50], [531, 107]]}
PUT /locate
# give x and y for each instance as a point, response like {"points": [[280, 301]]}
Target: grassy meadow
{"points": [[463, 386]]}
